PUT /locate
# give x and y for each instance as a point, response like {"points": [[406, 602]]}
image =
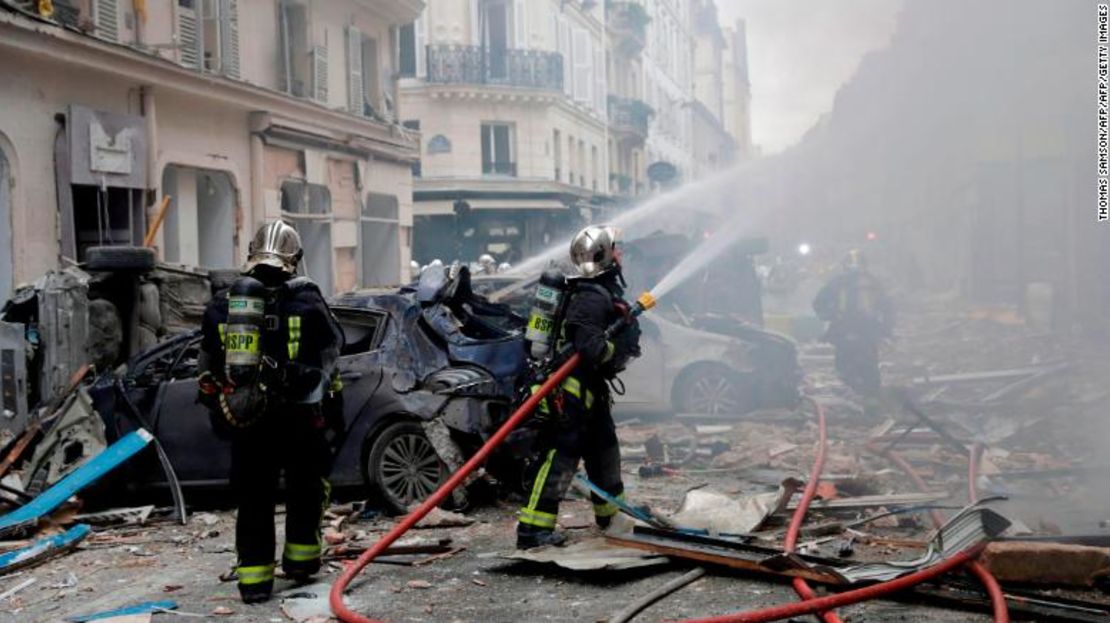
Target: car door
{"points": [[644, 378], [360, 368], [182, 426]]}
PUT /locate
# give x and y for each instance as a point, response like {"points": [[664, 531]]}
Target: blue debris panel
{"points": [[43, 549], [25, 517], [143, 608]]}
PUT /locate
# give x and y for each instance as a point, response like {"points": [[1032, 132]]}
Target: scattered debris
{"points": [[593, 554], [631, 610], [1052, 564], [717, 513], [422, 584], [18, 521], [147, 606], [43, 549], [440, 518], [18, 587]]}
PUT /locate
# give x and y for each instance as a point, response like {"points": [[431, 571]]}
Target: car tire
{"points": [[709, 389], [119, 258], [402, 467]]}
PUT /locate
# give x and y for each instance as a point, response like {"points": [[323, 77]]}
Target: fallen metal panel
{"points": [[13, 376], [72, 441], [146, 606], [43, 549], [870, 501], [720, 552], [590, 555], [26, 516]]}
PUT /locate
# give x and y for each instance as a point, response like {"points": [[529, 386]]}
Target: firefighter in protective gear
{"points": [[860, 316], [287, 432], [577, 419]]}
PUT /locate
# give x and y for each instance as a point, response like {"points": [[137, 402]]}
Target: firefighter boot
{"points": [[256, 583], [529, 537]]}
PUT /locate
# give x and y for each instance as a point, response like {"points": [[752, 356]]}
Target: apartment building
{"points": [[241, 111], [669, 88], [510, 98]]}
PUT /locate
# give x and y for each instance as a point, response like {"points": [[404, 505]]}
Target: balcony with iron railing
{"points": [[628, 21], [629, 117], [499, 167], [479, 65]]}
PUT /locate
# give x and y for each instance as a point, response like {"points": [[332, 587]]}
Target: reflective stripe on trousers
{"points": [[255, 574], [529, 515]]}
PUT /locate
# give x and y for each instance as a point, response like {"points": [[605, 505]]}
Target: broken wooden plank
{"points": [[982, 376], [43, 549], [26, 516], [19, 448]]}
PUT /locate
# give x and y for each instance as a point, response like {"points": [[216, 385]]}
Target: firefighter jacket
{"points": [[855, 305], [594, 305], [301, 341]]}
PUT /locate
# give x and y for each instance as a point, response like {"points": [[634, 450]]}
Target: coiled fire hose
{"points": [[335, 599]]}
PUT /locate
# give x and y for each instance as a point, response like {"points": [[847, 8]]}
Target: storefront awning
{"points": [[444, 207]]}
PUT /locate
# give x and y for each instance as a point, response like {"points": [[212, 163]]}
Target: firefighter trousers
{"points": [[289, 441], [586, 435]]}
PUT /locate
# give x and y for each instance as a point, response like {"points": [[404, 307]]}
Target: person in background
{"points": [[860, 316]]}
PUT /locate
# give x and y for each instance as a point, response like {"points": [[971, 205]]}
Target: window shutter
{"points": [[420, 38], [229, 38], [354, 71], [188, 37], [106, 19], [520, 29], [475, 23], [568, 56], [320, 74], [583, 61], [600, 84]]}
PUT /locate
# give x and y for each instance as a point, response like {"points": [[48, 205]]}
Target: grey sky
{"points": [[800, 52]]}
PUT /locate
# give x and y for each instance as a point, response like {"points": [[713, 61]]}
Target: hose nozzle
{"points": [[643, 303]]}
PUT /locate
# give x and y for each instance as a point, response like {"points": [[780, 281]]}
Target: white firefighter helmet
{"points": [[275, 244], [487, 263], [504, 267], [594, 250]]}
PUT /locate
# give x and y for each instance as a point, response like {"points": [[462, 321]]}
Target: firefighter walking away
{"points": [[576, 422], [860, 317], [268, 359]]}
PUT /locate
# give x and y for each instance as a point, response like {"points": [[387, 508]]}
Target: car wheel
{"points": [[119, 258], [713, 390], [402, 467]]}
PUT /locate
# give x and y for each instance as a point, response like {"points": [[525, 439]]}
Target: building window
{"points": [[208, 33], [495, 38], [295, 51], [380, 243], [557, 155], [199, 229], [414, 125], [307, 207], [497, 149], [593, 167]]}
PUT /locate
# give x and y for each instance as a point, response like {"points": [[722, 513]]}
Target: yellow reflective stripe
{"points": [[610, 350], [573, 387], [536, 518], [294, 337], [222, 328], [336, 384], [541, 478], [298, 552], [543, 402], [608, 509], [255, 574]]}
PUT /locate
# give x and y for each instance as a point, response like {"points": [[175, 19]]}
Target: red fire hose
{"points": [[336, 598], [800, 585], [822, 604], [1000, 611]]}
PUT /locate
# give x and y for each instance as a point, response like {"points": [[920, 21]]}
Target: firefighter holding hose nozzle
{"points": [[576, 419], [267, 362]]}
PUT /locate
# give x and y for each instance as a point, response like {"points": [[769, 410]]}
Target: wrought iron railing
{"points": [[472, 64], [629, 115], [499, 168]]}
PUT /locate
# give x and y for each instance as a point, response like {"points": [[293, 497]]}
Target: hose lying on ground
{"points": [[336, 597], [801, 587]]}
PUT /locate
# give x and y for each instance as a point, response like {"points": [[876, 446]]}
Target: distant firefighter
{"points": [[860, 316]]}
